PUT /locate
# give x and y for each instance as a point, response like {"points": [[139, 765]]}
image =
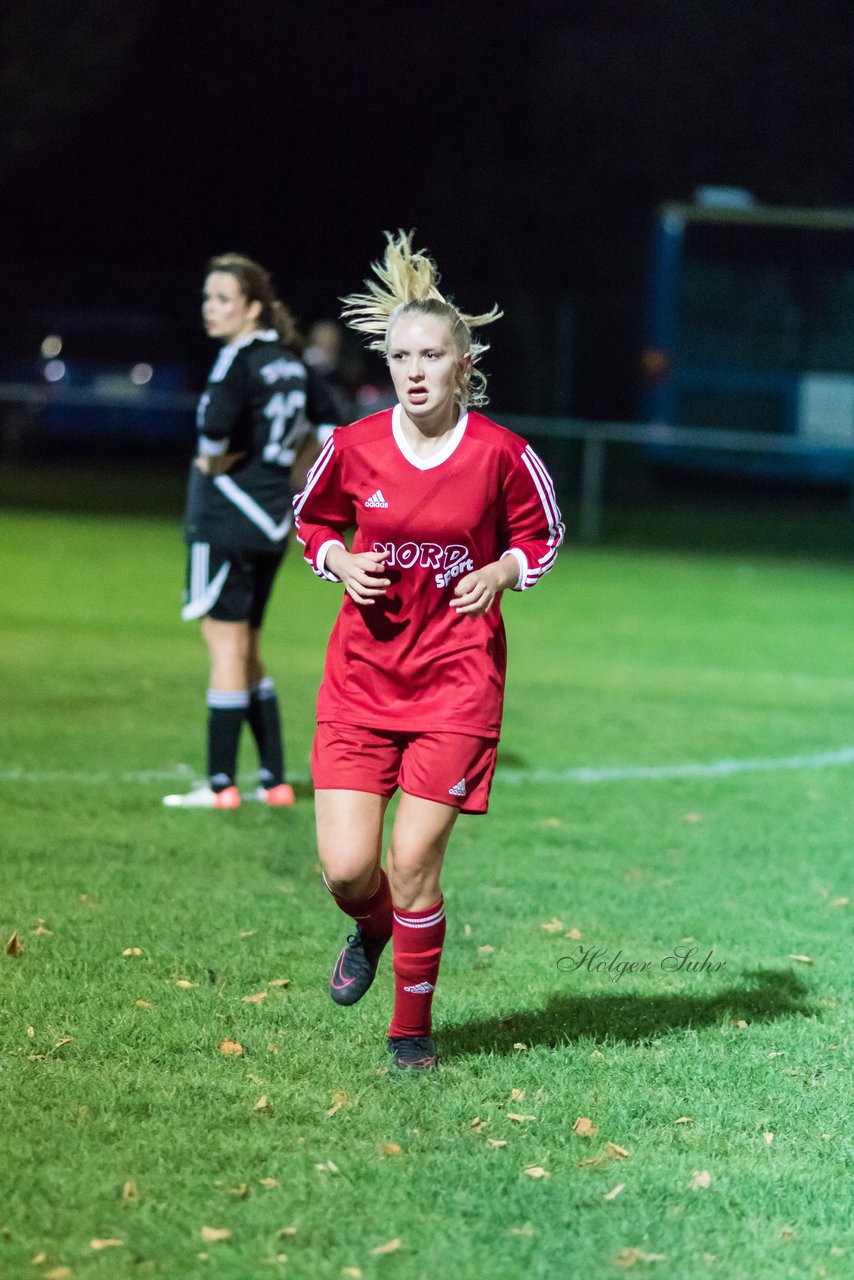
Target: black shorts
{"points": [[229, 584]]}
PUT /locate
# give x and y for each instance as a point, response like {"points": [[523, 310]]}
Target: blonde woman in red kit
{"points": [[449, 511]]}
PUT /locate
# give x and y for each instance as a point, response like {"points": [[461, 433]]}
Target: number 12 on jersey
{"points": [[288, 427]]}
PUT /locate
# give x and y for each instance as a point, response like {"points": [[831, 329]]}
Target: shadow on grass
{"points": [[767, 994]]}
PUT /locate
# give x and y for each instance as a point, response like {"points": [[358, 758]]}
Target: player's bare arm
{"points": [[359, 573], [475, 593], [217, 464]]}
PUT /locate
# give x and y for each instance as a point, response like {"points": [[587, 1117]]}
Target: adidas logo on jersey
{"points": [[422, 989], [458, 789], [376, 500]]}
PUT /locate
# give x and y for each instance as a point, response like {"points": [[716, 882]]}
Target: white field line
{"points": [[614, 773], [712, 769]]}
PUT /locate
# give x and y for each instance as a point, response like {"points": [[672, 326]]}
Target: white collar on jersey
{"points": [[436, 459], [265, 335]]}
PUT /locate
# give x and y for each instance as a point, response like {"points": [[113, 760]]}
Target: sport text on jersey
{"points": [[452, 560]]}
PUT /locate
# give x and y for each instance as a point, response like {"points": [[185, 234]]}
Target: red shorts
{"points": [[449, 768]]}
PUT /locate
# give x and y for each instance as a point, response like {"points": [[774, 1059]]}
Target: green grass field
{"points": [[587, 1121]]}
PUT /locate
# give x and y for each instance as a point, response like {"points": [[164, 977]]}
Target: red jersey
{"points": [[409, 661]]}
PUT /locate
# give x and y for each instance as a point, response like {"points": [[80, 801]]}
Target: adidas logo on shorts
{"points": [[422, 989], [458, 789], [376, 500]]}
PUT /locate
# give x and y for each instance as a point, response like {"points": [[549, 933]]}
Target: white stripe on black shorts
{"points": [[229, 584]]}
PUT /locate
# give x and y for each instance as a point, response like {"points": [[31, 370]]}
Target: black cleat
{"points": [[355, 968], [413, 1053]]}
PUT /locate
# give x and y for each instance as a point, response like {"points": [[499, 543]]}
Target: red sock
{"points": [[372, 914], [418, 938]]}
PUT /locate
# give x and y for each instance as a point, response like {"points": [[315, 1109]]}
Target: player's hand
{"points": [[361, 574], [475, 594], [216, 465]]}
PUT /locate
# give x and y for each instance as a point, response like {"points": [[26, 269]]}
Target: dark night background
{"points": [[527, 143]]}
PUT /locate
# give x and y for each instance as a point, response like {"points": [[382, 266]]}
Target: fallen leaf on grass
{"points": [[628, 1257], [616, 1152], [802, 959], [467, 930], [31, 1031], [262, 1104], [614, 1192], [212, 1235], [741, 1024], [284, 1232], [692, 817], [527, 1230], [684, 1120], [185, 982], [58, 1273], [279, 982], [41, 930], [575, 934], [769, 1138], [61, 1043], [554, 925], [517, 1118], [230, 1047], [129, 1191], [142, 1004], [13, 946], [256, 999], [585, 1128], [38, 1259], [496, 1142], [105, 1243], [478, 1125], [248, 933], [787, 1233], [551, 822], [517, 1094], [269, 1183], [241, 1191], [391, 1247], [700, 1179], [132, 951], [486, 950], [840, 902], [520, 1047], [351, 1273], [390, 1149], [327, 1166], [537, 1171]]}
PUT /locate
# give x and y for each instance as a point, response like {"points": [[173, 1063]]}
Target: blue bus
{"points": [[750, 327]]}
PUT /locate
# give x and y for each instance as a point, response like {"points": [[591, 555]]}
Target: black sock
{"points": [[263, 717], [226, 713]]}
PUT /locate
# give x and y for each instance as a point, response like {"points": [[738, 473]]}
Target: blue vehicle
{"points": [[750, 328], [96, 377]]}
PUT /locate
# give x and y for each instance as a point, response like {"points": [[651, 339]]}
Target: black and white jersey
{"points": [[256, 403]]}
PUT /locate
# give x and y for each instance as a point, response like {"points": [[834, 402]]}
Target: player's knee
{"points": [[349, 878]]}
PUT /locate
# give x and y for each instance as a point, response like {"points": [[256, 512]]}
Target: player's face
{"points": [[425, 364], [226, 314]]}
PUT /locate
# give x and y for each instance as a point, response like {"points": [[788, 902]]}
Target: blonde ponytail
{"points": [[408, 282]]}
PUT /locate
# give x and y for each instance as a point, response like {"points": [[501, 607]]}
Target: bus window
{"points": [[750, 327]]}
